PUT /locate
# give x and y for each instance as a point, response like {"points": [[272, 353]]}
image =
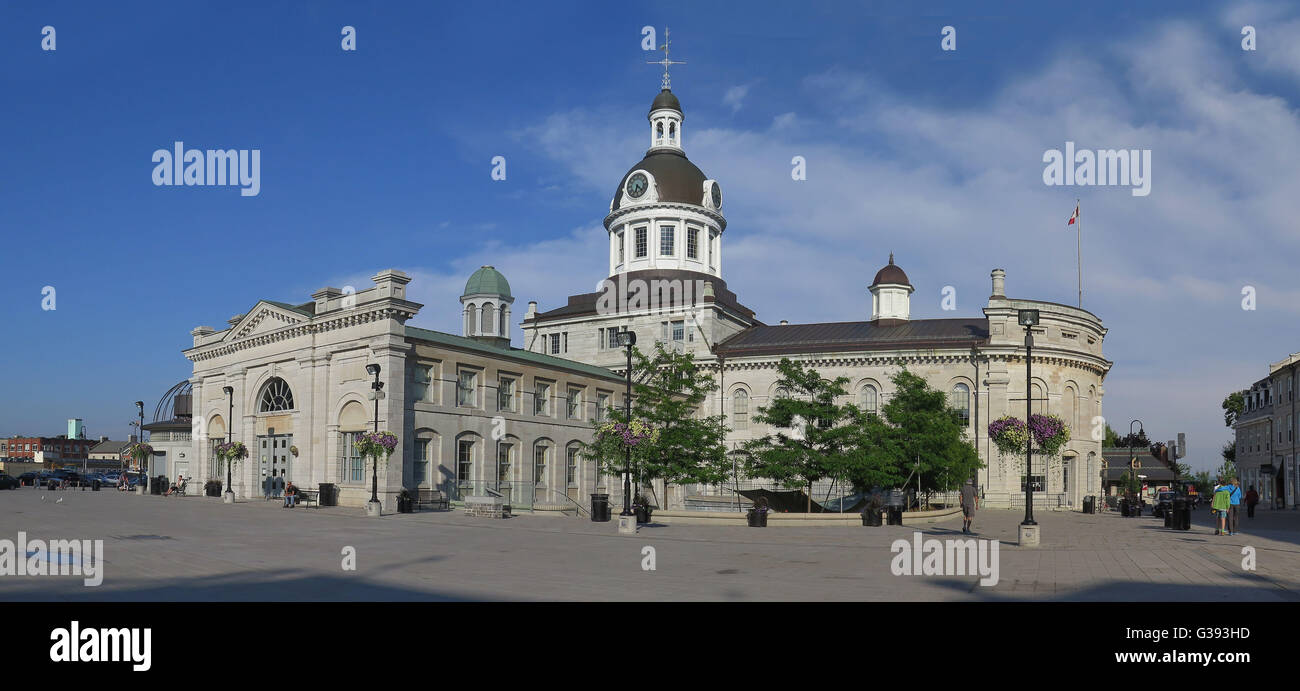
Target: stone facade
{"points": [[301, 392]]}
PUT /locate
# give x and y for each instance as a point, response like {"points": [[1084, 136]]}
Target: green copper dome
{"points": [[487, 280]]}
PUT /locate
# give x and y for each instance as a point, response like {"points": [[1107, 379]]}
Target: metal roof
{"points": [[519, 354], [847, 336]]}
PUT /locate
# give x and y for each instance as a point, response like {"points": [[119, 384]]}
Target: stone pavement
{"points": [[199, 549]]}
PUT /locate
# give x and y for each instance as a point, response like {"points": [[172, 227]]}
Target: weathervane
{"points": [[666, 62]]}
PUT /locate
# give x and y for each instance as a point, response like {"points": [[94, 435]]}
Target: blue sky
{"points": [[381, 158]]}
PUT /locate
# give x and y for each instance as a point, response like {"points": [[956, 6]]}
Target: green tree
{"points": [[814, 437], [1233, 405], [1228, 470], [923, 435], [668, 389], [1229, 452], [1112, 439]]}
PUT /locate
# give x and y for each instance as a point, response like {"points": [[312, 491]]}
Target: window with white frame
{"points": [[351, 464], [740, 409], [622, 248], [960, 400], [692, 243], [424, 385], [555, 344], [868, 400], [506, 394], [420, 465], [573, 403], [542, 398], [539, 463], [602, 406], [505, 450], [666, 234], [465, 463], [466, 388], [571, 466], [640, 243]]}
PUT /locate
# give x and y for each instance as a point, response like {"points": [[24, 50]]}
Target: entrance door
{"points": [[274, 463]]}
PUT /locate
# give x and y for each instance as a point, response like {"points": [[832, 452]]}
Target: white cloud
{"points": [[734, 97]]}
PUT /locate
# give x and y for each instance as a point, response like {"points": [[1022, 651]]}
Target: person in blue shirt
{"points": [[1234, 505]]}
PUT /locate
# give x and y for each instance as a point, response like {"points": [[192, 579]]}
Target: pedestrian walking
{"points": [[1252, 498], [969, 502], [1234, 505], [1219, 507]]}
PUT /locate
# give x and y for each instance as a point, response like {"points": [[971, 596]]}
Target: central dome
{"points": [[679, 180]]}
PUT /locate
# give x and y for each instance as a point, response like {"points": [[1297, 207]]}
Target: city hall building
{"points": [[472, 413]]}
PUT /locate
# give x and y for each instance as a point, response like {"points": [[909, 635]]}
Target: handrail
{"points": [[571, 500]]}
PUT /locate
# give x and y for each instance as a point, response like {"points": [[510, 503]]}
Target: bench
{"points": [[308, 497], [431, 498]]}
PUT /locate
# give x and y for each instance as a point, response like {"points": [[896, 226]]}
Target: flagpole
{"points": [[1079, 256]]}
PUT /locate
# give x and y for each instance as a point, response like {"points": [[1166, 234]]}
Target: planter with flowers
{"points": [[232, 452]]}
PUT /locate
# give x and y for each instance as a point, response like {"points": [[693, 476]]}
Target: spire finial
{"points": [[667, 83], [891, 258]]}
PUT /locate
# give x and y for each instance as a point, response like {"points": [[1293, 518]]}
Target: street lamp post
{"points": [[230, 429], [627, 339], [1028, 527], [378, 387], [1132, 460], [144, 462]]}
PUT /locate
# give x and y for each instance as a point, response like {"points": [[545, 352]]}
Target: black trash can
{"points": [[894, 515], [1090, 504], [642, 514], [599, 508], [756, 519], [94, 486], [1123, 508], [404, 504], [871, 518], [329, 494], [1168, 516], [157, 485], [1182, 512]]}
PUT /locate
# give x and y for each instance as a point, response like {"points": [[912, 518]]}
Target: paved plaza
{"points": [[199, 549]]}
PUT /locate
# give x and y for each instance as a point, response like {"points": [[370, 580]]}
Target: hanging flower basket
{"points": [[1010, 434], [232, 451]]}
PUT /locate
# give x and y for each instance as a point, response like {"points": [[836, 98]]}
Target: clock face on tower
{"points": [[636, 185], [717, 196]]}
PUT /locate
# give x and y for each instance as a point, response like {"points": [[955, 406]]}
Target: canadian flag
{"points": [[1074, 215]]}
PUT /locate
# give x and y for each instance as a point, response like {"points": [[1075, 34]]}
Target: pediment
{"points": [[263, 318]]}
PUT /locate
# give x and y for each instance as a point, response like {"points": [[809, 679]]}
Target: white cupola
{"points": [[666, 122], [891, 293]]}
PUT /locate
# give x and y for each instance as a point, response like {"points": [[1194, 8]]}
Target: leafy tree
{"points": [[1112, 439], [924, 434], [1228, 470], [667, 391], [1233, 406], [815, 437], [1229, 452], [1136, 439]]}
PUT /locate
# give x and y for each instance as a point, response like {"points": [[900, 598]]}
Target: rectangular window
{"points": [[612, 335], [423, 385], [574, 404], [679, 330], [1036, 480], [539, 464], [564, 342], [555, 344], [542, 399], [622, 249], [466, 384], [640, 241], [351, 464], [420, 467], [571, 467], [465, 464], [506, 394], [692, 243], [503, 463], [602, 406], [666, 241]]}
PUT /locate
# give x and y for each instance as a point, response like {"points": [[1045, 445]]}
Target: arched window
{"points": [[1040, 399], [471, 319], [503, 331], [782, 392], [960, 399], [672, 132], [659, 131], [740, 410], [276, 396], [489, 318], [868, 401]]}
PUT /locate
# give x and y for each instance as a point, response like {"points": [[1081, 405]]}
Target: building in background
{"points": [[1254, 441], [1285, 475], [48, 452], [107, 454], [171, 434]]}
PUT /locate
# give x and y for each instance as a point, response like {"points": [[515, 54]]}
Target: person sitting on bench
{"points": [[175, 486], [290, 495]]}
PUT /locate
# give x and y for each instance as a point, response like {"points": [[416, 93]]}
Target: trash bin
{"points": [[871, 518], [756, 518], [94, 486], [600, 508], [1169, 517], [1090, 504], [404, 504], [157, 484], [1182, 514], [329, 494], [894, 515]]}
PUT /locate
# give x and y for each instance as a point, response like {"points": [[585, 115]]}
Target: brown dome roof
{"points": [[679, 180], [891, 274], [666, 99]]}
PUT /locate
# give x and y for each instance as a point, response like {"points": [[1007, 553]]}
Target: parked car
{"points": [[7, 482], [27, 479], [1164, 502]]}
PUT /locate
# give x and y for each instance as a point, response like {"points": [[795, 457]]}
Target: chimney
{"points": [[999, 283], [532, 310]]}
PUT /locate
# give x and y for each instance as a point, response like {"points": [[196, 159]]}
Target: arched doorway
{"points": [[275, 408]]}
